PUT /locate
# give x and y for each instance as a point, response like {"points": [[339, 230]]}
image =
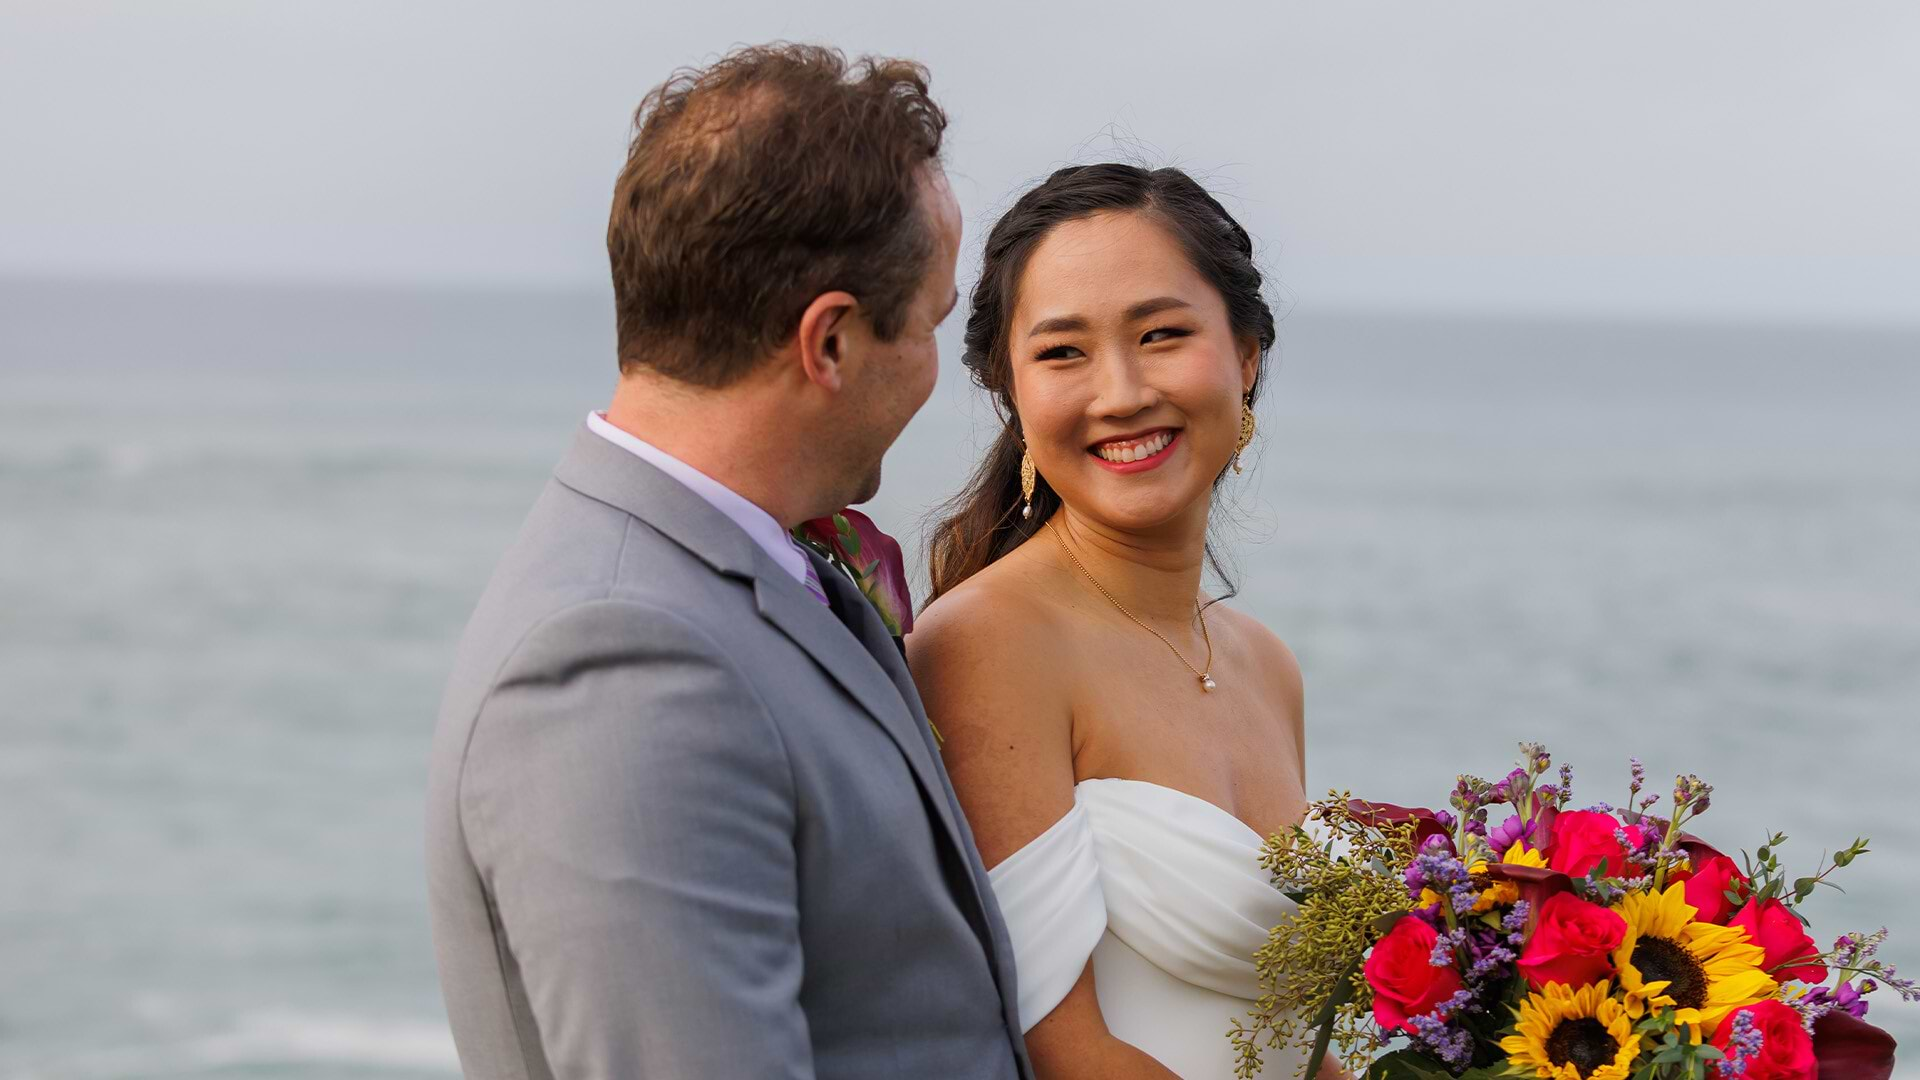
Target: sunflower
{"points": [[1568, 1034], [1669, 959]]}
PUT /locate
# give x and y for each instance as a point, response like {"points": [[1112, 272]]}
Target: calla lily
{"points": [[1380, 815], [871, 558], [1536, 885], [1851, 1048]]}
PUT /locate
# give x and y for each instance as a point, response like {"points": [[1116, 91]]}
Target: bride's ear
{"points": [[822, 338], [1249, 363]]}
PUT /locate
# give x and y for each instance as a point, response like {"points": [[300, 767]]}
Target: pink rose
{"points": [[1572, 943], [1770, 925], [1786, 1052], [1582, 839], [1707, 888], [1405, 983]]}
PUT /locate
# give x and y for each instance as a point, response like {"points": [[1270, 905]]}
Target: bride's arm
{"points": [[995, 671], [1072, 1041]]}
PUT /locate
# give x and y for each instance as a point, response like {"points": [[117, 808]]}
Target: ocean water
{"points": [[240, 529]]}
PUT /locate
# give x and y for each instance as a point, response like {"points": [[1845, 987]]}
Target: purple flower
{"points": [[1743, 1045], [1437, 1032], [1506, 834]]}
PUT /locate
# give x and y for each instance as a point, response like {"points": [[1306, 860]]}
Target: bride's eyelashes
{"points": [[1154, 336]]}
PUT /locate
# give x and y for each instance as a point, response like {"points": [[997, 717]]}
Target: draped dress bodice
{"points": [[1163, 891]]}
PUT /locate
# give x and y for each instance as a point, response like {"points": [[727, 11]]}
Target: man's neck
{"points": [[725, 434]]}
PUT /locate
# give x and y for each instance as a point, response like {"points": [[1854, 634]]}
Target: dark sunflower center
{"points": [[1584, 1043], [1662, 960]]}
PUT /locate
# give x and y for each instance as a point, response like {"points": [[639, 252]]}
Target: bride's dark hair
{"points": [[983, 522]]}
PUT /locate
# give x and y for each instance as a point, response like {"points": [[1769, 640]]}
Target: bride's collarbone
{"points": [[1229, 761]]}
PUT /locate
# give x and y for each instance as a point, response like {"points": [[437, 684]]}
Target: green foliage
{"points": [[1407, 1065], [1770, 879], [1348, 886], [1669, 1052]]}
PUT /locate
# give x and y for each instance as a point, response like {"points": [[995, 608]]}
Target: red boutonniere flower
{"points": [[851, 541]]}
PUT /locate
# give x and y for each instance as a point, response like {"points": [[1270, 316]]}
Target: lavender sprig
{"points": [[1743, 1045]]}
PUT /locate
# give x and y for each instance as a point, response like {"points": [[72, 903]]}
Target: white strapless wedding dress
{"points": [[1164, 891]]}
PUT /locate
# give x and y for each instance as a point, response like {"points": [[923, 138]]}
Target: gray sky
{"points": [[1713, 157]]}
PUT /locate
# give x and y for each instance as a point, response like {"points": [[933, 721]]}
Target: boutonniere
{"points": [[851, 541]]}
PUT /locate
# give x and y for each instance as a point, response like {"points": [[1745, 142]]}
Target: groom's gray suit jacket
{"points": [[687, 822]]}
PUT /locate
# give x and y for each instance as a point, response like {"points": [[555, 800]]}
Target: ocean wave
{"points": [[267, 1038], [140, 462]]}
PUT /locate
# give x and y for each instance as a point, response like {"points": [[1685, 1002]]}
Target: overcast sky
{"points": [[1744, 158]]}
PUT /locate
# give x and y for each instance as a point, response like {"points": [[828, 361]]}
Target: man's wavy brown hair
{"points": [[755, 184]]}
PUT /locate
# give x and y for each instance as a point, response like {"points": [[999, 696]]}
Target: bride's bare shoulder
{"points": [[990, 659], [986, 648], [994, 614], [1264, 651]]}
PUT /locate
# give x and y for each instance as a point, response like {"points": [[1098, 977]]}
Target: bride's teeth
{"points": [[1121, 454]]}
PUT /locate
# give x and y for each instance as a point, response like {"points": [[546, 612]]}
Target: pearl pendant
{"points": [[1207, 683]]}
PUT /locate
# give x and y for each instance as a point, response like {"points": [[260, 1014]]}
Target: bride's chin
{"points": [[1136, 516]]}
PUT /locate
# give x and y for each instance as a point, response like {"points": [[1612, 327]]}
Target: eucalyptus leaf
{"points": [[1405, 1065], [1385, 923]]}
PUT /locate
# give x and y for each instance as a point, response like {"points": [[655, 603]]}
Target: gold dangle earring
{"points": [[1247, 425], [1027, 475]]}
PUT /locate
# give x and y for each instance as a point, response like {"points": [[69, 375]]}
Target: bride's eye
{"points": [[1164, 333], [1057, 352]]}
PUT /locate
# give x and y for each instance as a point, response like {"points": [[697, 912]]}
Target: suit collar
{"points": [[600, 470]]}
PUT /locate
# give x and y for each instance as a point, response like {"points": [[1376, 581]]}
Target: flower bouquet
{"points": [[1557, 943]]}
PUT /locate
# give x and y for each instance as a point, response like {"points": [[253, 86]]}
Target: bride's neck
{"points": [[1155, 575]]}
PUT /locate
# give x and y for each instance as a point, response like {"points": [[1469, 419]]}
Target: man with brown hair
{"points": [[685, 815]]}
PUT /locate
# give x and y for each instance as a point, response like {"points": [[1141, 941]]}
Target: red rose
{"points": [[1583, 838], [1405, 983], [1770, 925], [1786, 1053], [1572, 943], [1707, 888]]}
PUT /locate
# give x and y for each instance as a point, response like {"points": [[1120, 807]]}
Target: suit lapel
{"points": [[864, 622], [858, 654], [860, 670]]}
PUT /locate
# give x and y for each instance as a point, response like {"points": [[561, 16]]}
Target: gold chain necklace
{"points": [[1206, 678]]}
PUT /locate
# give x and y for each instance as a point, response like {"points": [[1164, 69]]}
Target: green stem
{"points": [[1666, 849]]}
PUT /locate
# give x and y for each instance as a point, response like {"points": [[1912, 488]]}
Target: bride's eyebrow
{"points": [[1064, 323]]}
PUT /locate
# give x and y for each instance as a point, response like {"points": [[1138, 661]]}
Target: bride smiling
{"points": [[1121, 743]]}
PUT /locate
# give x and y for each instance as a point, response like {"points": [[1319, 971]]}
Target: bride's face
{"points": [[1127, 376]]}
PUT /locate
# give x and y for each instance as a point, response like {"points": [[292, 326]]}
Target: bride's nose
{"points": [[1122, 388]]}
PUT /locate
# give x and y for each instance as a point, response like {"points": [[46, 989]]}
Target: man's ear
{"points": [[823, 337]]}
